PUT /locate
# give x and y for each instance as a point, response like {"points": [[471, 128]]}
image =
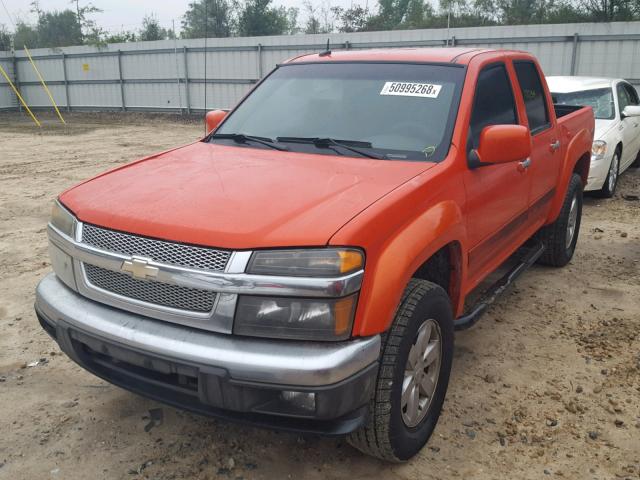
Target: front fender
{"points": [[400, 256], [576, 159]]}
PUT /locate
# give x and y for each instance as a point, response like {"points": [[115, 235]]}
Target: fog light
{"points": [[62, 265], [303, 400]]}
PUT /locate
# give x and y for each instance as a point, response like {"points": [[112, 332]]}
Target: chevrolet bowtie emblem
{"points": [[139, 267]]}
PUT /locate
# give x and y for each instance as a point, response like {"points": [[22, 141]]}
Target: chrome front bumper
{"points": [[257, 360], [238, 374], [598, 171]]}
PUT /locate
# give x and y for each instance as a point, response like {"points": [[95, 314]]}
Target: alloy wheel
{"points": [[421, 373]]}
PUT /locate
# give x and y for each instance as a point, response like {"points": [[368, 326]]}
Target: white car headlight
{"points": [[598, 150]]}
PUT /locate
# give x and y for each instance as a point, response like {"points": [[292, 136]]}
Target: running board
{"points": [[488, 297]]}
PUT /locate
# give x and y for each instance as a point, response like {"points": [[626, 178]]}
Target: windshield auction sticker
{"points": [[407, 89]]}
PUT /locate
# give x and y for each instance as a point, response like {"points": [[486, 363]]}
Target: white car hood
{"points": [[603, 127]]}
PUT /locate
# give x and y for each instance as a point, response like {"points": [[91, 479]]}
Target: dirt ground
{"points": [[546, 385]]}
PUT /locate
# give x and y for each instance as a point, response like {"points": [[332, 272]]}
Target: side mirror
{"points": [[631, 111], [502, 144], [213, 119]]}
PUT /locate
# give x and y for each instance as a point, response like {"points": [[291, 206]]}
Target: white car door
{"points": [[629, 127]]}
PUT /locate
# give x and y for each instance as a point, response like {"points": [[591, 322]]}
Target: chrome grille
{"points": [[173, 296], [158, 250]]}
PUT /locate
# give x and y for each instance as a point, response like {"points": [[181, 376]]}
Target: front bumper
{"points": [[241, 379], [598, 171]]}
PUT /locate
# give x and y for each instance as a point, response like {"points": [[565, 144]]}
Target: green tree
{"points": [[91, 32], [5, 38], [318, 18], [391, 14], [520, 12], [218, 22], [259, 17], [565, 12], [59, 29], [152, 30], [26, 34], [611, 10], [354, 19], [120, 37]]}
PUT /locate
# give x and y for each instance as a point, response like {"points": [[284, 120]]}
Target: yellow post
{"points": [[44, 85], [15, 90]]}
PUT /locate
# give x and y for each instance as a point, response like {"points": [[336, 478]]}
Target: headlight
{"points": [[316, 262], [295, 318], [598, 150], [62, 219]]}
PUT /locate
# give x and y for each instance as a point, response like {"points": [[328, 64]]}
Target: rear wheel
{"points": [[610, 183], [413, 376], [561, 236]]}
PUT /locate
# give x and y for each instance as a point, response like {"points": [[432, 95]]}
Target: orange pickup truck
{"points": [[304, 266]]}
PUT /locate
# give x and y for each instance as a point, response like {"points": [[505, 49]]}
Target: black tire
{"points": [[385, 435], [557, 252], [609, 187]]}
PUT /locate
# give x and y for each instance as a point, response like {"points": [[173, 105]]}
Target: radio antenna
{"points": [[206, 34], [327, 51]]}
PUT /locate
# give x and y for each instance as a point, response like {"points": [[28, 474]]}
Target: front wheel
{"points": [[560, 237], [413, 376]]}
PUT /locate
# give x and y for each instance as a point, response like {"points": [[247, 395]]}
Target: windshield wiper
{"points": [[242, 138], [326, 142]]}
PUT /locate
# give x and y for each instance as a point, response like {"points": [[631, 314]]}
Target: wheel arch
{"points": [[432, 246], [582, 168], [444, 268], [577, 159]]}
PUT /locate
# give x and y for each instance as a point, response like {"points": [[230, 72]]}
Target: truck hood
{"points": [[237, 197]]}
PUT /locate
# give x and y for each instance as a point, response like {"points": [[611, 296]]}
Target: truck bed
{"points": [[574, 118], [563, 110]]}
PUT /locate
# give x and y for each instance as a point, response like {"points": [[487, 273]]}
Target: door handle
{"points": [[555, 145], [523, 165]]}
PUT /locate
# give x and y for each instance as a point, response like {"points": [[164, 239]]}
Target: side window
{"points": [[533, 94], [493, 103], [632, 93], [623, 97]]}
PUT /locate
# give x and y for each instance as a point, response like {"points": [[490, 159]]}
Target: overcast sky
{"points": [[128, 14]]}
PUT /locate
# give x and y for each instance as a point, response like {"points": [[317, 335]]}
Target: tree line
{"points": [[225, 18]]}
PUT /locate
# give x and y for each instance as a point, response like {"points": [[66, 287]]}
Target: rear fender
{"points": [[401, 256], [578, 149]]}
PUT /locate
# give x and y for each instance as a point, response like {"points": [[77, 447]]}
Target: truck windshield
{"points": [[390, 111], [600, 99]]}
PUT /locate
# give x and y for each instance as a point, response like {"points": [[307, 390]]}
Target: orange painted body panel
{"points": [[399, 212], [495, 137], [201, 194], [213, 118]]}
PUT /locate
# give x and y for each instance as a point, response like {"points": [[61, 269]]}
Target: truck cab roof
{"points": [[455, 55]]}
